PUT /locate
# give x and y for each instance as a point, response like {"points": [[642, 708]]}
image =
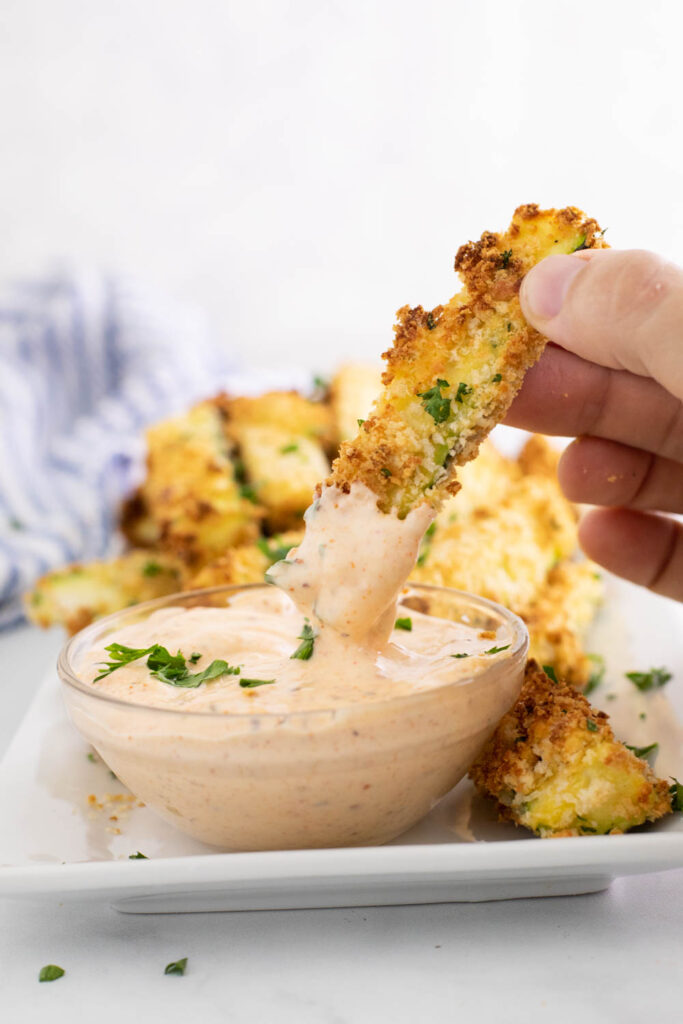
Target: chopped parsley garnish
{"points": [[50, 972], [651, 680], [497, 378], [462, 655], [642, 716], [361, 422], [438, 407], [249, 684], [406, 624], [462, 392], [275, 552], [320, 383], [385, 472], [676, 794], [642, 751], [215, 669], [194, 658], [597, 675], [176, 966], [550, 672], [431, 323], [505, 258], [305, 648], [509, 327], [137, 856], [91, 757], [248, 492], [591, 725], [287, 448], [497, 650], [152, 568], [169, 668], [121, 655]]}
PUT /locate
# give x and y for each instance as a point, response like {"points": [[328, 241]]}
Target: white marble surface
{"points": [[598, 958]]}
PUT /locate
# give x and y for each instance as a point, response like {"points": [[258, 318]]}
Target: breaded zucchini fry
{"points": [[353, 390], [246, 564], [554, 766], [191, 492], [283, 469], [559, 617], [538, 458], [281, 439], [76, 595], [506, 551], [453, 372], [136, 524], [288, 410]]}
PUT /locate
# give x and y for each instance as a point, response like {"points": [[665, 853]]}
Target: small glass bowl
{"points": [[349, 776]]}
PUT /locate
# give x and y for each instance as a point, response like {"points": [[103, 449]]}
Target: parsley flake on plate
{"points": [[643, 751], [651, 680], [250, 684], [176, 966], [51, 972], [406, 623]]}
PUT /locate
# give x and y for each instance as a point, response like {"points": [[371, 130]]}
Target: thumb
{"points": [[623, 310]]}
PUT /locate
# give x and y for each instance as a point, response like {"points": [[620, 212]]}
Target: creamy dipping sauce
{"points": [[351, 746], [259, 632]]}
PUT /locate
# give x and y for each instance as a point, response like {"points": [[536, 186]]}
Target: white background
{"points": [[303, 169]]}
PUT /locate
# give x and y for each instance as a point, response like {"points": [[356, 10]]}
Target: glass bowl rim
{"points": [[69, 678]]}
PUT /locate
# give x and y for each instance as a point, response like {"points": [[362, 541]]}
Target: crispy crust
{"points": [[479, 339], [553, 750]]}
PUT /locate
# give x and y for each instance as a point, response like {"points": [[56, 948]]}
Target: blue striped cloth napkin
{"points": [[85, 363]]}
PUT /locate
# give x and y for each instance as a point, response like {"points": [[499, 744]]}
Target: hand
{"points": [[616, 383]]}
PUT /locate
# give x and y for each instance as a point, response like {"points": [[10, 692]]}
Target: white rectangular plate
{"points": [[54, 842]]}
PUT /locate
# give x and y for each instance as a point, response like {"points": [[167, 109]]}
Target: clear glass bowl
{"points": [[348, 776]]}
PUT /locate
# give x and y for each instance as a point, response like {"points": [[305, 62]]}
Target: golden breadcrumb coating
{"points": [[560, 615], [191, 491], [538, 458], [289, 410], [452, 373], [136, 524], [554, 766], [505, 551], [246, 564], [353, 390], [76, 595], [281, 440]]}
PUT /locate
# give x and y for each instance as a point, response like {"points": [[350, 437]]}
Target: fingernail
{"points": [[546, 285]]}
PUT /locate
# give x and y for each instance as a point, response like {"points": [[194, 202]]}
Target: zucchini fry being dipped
{"points": [[452, 373], [451, 376]]}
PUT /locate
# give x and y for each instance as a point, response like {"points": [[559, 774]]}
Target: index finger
{"points": [[566, 395]]}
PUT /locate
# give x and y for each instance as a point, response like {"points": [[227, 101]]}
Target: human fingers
{"points": [[570, 396], [622, 310], [599, 472], [643, 548]]}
